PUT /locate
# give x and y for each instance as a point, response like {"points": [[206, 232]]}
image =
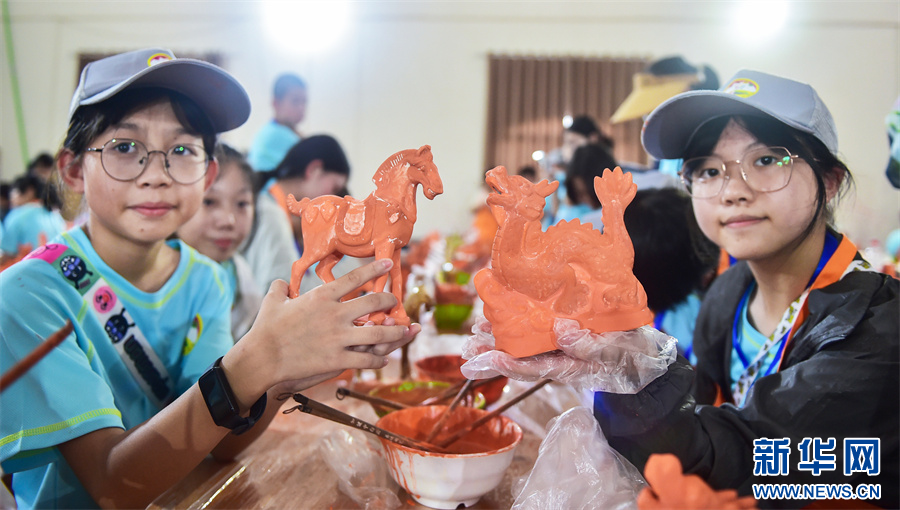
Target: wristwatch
{"points": [[222, 404]]}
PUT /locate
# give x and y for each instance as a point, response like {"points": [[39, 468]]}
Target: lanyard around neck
{"points": [[828, 251]]}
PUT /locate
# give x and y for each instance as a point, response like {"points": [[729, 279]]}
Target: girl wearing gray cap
{"points": [[799, 341], [797, 381], [145, 386]]}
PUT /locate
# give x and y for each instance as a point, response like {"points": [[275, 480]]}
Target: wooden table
{"points": [[285, 469]]}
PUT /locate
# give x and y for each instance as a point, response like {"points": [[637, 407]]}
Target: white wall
{"points": [[413, 73]]}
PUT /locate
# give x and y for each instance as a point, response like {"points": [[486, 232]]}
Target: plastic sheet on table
{"points": [[576, 468], [362, 472]]}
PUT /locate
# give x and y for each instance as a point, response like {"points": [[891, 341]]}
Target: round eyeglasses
{"points": [[125, 160], [763, 169]]}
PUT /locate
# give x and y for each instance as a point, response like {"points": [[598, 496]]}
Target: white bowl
{"points": [[446, 481]]}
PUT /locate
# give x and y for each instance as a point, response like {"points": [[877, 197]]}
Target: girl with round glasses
{"points": [[798, 342], [150, 382]]}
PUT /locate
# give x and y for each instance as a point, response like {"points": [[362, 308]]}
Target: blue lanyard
{"points": [[831, 244]]}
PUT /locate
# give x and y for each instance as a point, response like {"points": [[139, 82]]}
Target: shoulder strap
{"points": [[135, 351]]}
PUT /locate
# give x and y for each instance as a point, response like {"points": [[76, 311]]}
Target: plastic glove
{"points": [[613, 362]]}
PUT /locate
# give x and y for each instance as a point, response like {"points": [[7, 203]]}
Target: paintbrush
{"points": [[321, 410], [447, 412], [19, 369], [484, 419], [451, 391], [346, 392]]}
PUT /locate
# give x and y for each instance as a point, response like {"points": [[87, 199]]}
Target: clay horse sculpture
{"points": [[571, 271], [380, 225]]}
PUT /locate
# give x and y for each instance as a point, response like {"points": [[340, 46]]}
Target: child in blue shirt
{"points": [[221, 225], [126, 405], [31, 222]]}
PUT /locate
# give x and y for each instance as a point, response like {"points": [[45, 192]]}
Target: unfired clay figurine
{"points": [[379, 225], [671, 489], [570, 271]]}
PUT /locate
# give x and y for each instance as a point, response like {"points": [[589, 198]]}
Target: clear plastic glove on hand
{"points": [[614, 362]]}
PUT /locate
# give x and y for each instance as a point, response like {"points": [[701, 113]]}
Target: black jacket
{"points": [[840, 378]]}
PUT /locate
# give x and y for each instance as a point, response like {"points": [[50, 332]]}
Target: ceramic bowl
{"points": [[446, 368], [448, 480]]}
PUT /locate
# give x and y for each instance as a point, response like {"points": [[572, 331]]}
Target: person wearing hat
{"points": [[313, 167], [147, 384], [798, 344]]}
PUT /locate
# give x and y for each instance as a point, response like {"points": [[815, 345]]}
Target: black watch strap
{"points": [[222, 404]]}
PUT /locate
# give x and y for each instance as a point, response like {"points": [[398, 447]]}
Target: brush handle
{"points": [[23, 366], [346, 392], [486, 418], [447, 412], [321, 410], [451, 391]]}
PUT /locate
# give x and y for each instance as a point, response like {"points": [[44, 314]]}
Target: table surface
{"points": [[285, 468]]}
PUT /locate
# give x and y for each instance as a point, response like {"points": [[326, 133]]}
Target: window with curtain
{"points": [[529, 96]]}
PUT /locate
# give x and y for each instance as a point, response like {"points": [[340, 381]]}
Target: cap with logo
{"points": [[670, 127], [217, 93]]}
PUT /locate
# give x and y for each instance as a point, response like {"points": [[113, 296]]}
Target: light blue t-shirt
{"points": [[751, 341], [25, 225], [271, 144], [84, 385]]}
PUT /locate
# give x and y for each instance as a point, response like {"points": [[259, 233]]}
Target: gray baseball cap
{"points": [[670, 127], [216, 92]]}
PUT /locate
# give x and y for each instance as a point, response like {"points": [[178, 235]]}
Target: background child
{"points": [[221, 225], [276, 137], [673, 263], [150, 383], [588, 161], [313, 167], [31, 222]]}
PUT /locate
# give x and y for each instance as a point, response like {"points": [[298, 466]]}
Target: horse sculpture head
{"points": [[420, 169], [514, 194]]}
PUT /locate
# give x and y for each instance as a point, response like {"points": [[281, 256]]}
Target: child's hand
{"points": [[295, 343]]}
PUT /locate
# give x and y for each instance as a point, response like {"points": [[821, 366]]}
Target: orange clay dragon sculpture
{"points": [[380, 225], [571, 271]]}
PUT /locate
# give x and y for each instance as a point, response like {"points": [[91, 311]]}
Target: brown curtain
{"points": [[529, 96]]}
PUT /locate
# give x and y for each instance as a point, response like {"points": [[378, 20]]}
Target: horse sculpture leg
{"points": [[384, 250], [398, 312], [298, 269], [324, 270]]}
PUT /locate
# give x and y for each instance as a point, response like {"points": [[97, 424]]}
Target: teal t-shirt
{"points": [[85, 384], [271, 144], [26, 224]]}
